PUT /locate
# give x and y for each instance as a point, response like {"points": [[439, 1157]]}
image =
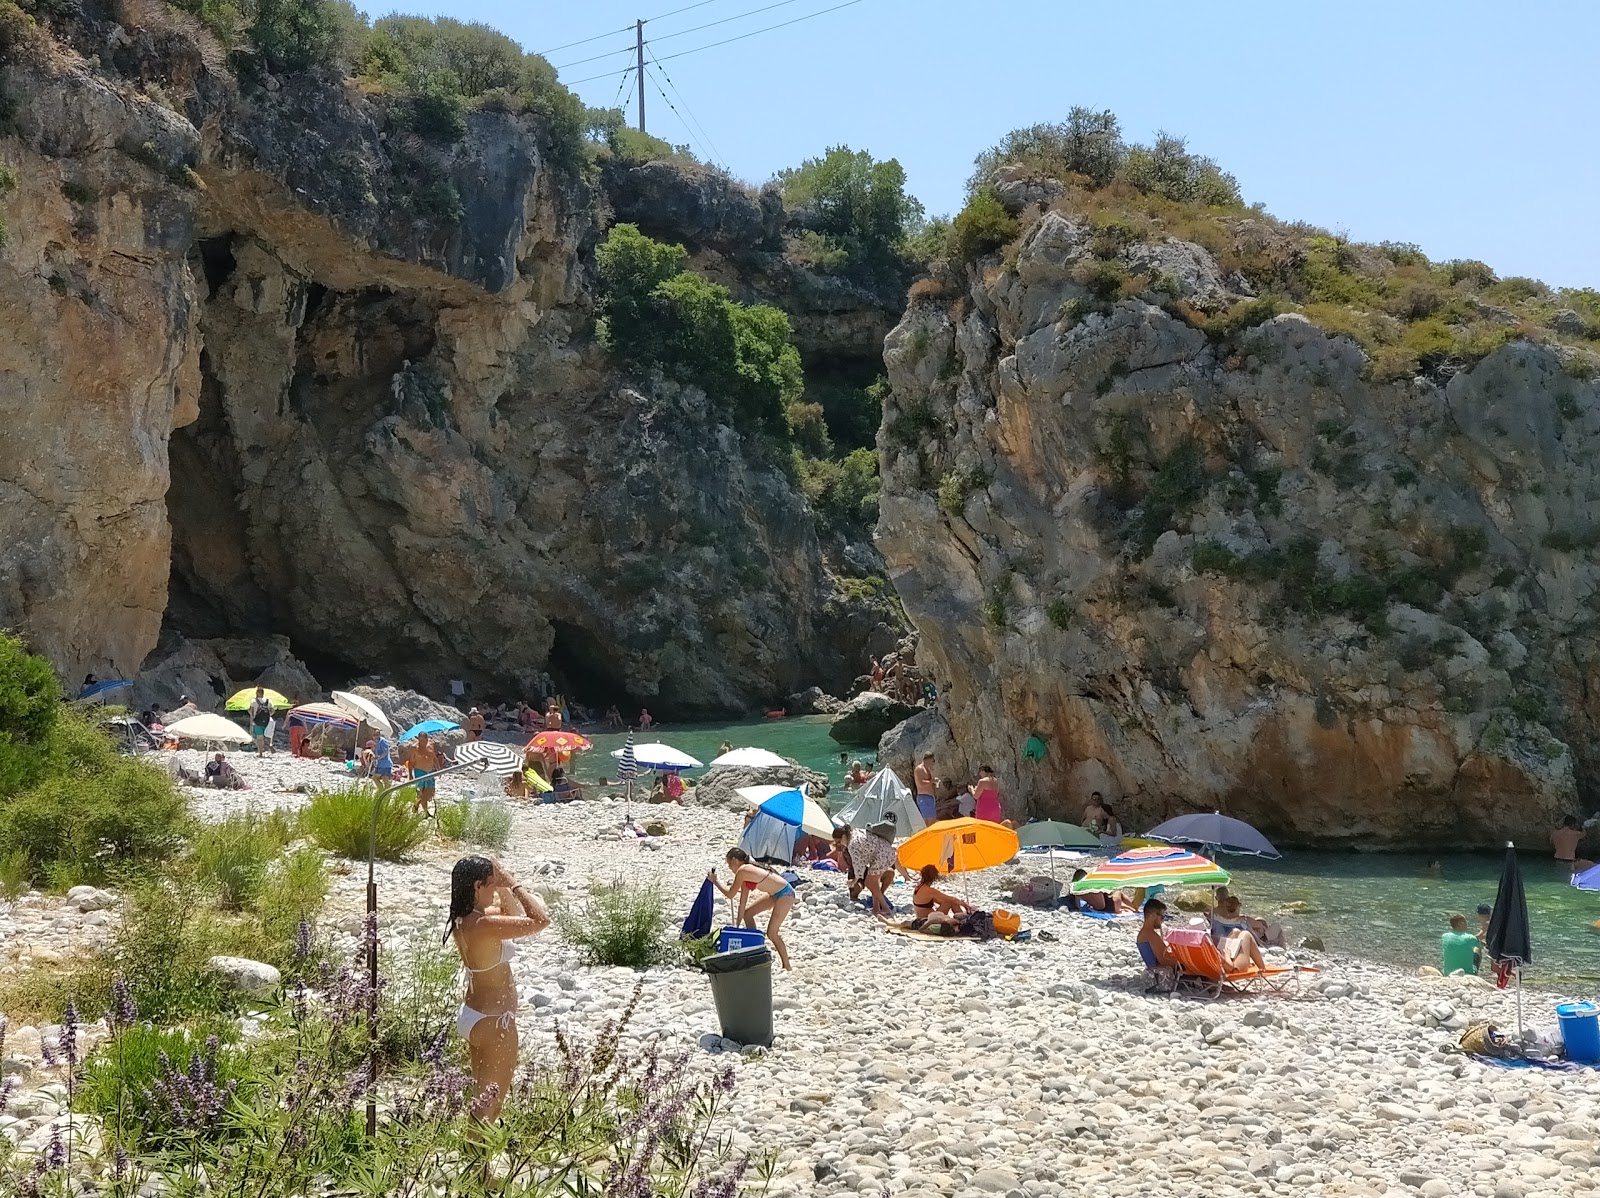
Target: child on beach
{"points": [[1157, 957], [1459, 948], [775, 895]]}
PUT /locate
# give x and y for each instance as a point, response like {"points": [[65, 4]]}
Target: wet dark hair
{"points": [[930, 873], [464, 879], [1485, 909], [842, 830], [1571, 822], [739, 855], [1155, 905]]}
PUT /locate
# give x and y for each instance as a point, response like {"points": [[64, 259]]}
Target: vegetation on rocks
{"points": [[72, 809], [617, 924], [859, 208], [340, 821]]}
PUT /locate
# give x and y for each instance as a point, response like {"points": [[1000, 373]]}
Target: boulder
{"points": [[719, 787], [867, 717], [812, 701], [256, 979], [89, 898], [405, 708], [901, 747]]}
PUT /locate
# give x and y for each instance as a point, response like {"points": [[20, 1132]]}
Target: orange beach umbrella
{"points": [[560, 742], [958, 846]]}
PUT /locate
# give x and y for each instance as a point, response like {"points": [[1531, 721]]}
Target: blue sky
{"points": [[1472, 129]]}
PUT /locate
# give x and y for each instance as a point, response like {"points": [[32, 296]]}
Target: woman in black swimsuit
{"points": [[931, 905]]}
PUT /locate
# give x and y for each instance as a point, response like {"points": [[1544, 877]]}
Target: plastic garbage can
{"points": [[741, 986], [1580, 1030]]}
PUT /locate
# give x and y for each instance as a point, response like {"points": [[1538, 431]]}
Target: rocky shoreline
{"points": [[1032, 1069]]}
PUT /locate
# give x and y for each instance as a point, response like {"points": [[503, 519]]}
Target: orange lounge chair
{"points": [[1201, 966]]}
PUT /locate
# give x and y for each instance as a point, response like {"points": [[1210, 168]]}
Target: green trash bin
{"points": [[741, 986]]}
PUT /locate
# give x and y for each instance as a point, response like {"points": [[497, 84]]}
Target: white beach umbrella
{"points": [[364, 710], [209, 727], [659, 757], [791, 805], [754, 758]]}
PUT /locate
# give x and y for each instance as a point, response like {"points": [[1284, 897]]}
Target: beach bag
{"points": [[1006, 923], [1486, 1040]]}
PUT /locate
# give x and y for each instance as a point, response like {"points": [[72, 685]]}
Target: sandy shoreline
{"points": [[1016, 1069]]}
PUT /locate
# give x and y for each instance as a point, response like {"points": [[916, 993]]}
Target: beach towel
{"points": [[911, 933], [698, 925]]}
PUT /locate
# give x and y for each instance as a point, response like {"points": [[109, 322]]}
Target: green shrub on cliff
{"points": [[657, 317], [292, 35], [858, 205], [844, 494], [981, 227]]}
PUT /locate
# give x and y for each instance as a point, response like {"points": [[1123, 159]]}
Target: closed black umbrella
{"points": [[1508, 938], [1509, 942]]}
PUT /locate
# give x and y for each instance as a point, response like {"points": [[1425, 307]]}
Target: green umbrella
{"points": [[1056, 834]]}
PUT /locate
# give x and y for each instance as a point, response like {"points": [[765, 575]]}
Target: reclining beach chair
{"points": [[1201, 967]]}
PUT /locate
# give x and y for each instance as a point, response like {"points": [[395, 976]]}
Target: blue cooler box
{"points": [[735, 938], [1580, 1030]]}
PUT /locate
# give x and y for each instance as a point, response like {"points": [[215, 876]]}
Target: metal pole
{"points": [[638, 35]]}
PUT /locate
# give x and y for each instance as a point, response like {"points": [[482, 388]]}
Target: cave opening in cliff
{"points": [[582, 669]]}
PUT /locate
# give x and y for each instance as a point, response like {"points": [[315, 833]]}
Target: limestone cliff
{"points": [[1226, 568], [284, 367]]}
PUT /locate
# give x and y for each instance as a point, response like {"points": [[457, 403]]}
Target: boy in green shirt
{"points": [[1460, 948]]}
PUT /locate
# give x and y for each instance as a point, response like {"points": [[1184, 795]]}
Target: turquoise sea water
{"points": [[1381, 906]]}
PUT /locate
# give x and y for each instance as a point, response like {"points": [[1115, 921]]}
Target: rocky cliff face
{"points": [[285, 368], [1228, 570]]}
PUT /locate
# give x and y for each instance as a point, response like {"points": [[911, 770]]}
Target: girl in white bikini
{"points": [[483, 922]]}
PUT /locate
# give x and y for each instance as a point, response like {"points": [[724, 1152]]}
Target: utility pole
{"points": [[638, 33]]}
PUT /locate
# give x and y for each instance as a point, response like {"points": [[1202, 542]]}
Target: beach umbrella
{"points": [[752, 758], [1509, 940], [321, 713], [365, 710], [96, 689], [1216, 831], [241, 700], [1157, 866], [209, 727], [1589, 879], [431, 727], [884, 798], [490, 756], [560, 742], [1054, 833], [659, 757], [789, 805], [958, 846]]}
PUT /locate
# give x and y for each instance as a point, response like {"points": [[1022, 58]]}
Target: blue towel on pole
{"points": [[699, 922]]}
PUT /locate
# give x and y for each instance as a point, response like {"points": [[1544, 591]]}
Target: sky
{"points": [[1471, 129]]}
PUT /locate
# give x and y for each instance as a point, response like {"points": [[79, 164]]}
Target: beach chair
{"points": [[1202, 968]]}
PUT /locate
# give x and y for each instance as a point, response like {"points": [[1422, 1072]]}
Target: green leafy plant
{"points": [[1061, 613], [957, 486], [860, 207], [341, 822], [232, 858], [480, 822], [617, 924], [982, 227], [418, 1004], [1177, 485]]}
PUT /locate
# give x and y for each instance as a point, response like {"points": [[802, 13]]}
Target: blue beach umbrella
{"points": [[431, 727], [1589, 879], [95, 689], [789, 805], [1221, 832]]}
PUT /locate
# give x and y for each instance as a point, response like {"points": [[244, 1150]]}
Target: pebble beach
{"points": [[1028, 1069]]}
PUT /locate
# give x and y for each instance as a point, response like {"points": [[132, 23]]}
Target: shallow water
{"points": [[1381, 906]]}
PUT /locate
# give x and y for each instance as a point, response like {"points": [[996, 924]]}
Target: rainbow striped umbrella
{"points": [[1159, 866]]}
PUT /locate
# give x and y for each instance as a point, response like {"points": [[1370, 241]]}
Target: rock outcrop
{"points": [[281, 366], [719, 786], [865, 718], [1230, 571]]}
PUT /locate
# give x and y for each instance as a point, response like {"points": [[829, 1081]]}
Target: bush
{"points": [[90, 812], [859, 205], [843, 494], [297, 887], [655, 317], [981, 227], [618, 924], [294, 35], [486, 823], [232, 858], [1103, 279], [1060, 612], [341, 822], [1168, 169], [419, 1002], [1177, 485], [1087, 143], [956, 487]]}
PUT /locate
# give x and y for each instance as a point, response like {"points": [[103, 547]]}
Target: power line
{"points": [[585, 41], [664, 15], [700, 143], [677, 33], [727, 40], [684, 100]]}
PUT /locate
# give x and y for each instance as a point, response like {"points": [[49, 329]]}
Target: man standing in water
{"points": [[1565, 840]]}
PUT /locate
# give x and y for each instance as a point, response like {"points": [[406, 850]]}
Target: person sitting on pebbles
{"points": [[777, 896], [929, 904]]}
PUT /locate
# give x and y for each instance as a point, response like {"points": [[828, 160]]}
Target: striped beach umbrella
{"points": [[1160, 866], [628, 766], [492, 758]]}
